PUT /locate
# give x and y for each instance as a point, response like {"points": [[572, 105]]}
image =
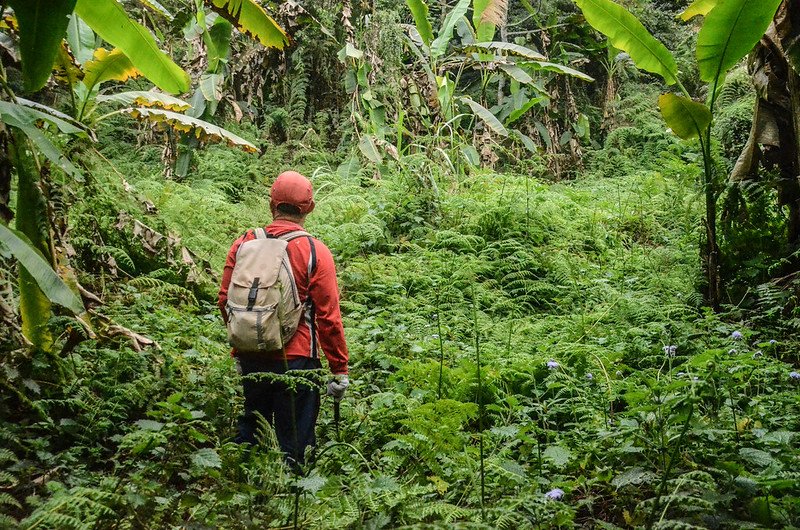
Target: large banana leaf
{"points": [[509, 48], [687, 118], [108, 19], [626, 33], [559, 68], [25, 120], [202, 130], [65, 123], [698, 8], [107, 66], [218, 43], [81, 39], [31, 220], [486, 116], [42, 24], [729, 32], [146, 99], [419, 10], [40, 270], [484, 31], [439, 45], [251, 19]]}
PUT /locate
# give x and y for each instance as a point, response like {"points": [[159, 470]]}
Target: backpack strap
{"points": [[312, 320], [288, 236], [261, 233]]}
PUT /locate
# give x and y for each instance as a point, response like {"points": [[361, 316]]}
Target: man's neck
{"points": [[296, 220]]}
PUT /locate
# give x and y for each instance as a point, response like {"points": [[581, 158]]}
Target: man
{"points": [[293, 413]]}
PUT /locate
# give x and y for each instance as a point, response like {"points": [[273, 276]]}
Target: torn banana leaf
{"points": [[146, 98], [202, 130]]}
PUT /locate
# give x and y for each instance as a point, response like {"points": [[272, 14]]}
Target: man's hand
{"points": [[337, 386]]}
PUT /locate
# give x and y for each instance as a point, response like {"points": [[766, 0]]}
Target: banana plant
{"points": [[730, 29], [41, 27], [519, 65]]}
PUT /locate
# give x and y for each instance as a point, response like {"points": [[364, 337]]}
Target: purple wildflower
{"points": [[794, 375], [554, 494], [773, 341], [589, 376], [737, 335], [551, 364]]}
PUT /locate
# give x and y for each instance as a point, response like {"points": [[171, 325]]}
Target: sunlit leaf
{"points": [[626, 33], [109, 20], [252, 20], [687, 118], [108, 66], [729, 32], [419, 10], [698, 8]]}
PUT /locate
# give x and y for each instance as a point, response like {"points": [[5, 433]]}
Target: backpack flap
{"points": [[263, 304]]}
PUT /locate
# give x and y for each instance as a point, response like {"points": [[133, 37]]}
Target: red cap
{"points": [[293, 188]]}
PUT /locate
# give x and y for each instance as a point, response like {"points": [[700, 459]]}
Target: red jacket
{"points": [[324, 294]]}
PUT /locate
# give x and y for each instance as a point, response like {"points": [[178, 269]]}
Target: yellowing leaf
{"points": [[108, 66], [146, 99], [202, 130], [687, 118], [109, 20], [252, 20], [698, 8]]}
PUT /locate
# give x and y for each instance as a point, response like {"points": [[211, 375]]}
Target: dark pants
{"points": [[292, 413]]}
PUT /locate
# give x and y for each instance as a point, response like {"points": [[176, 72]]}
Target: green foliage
{"points": [[109, 20], [524, 354], [42, 26]]}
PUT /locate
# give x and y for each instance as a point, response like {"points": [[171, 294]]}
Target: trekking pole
{"points": [[336, 415]]}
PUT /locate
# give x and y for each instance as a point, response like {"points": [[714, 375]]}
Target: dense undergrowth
{"points": [[607, 397]]}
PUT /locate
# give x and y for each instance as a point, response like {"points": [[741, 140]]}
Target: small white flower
{"points": [[670, 351], [758, 354], [732, 351], [551, 364], [794, 375], [589, 376], [773, 341], [554, 494]]}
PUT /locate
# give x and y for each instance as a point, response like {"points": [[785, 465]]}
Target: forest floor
{"points": [[607, 397]]}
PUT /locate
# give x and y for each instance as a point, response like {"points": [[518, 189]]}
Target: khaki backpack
{"points": [[264, 307]]}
